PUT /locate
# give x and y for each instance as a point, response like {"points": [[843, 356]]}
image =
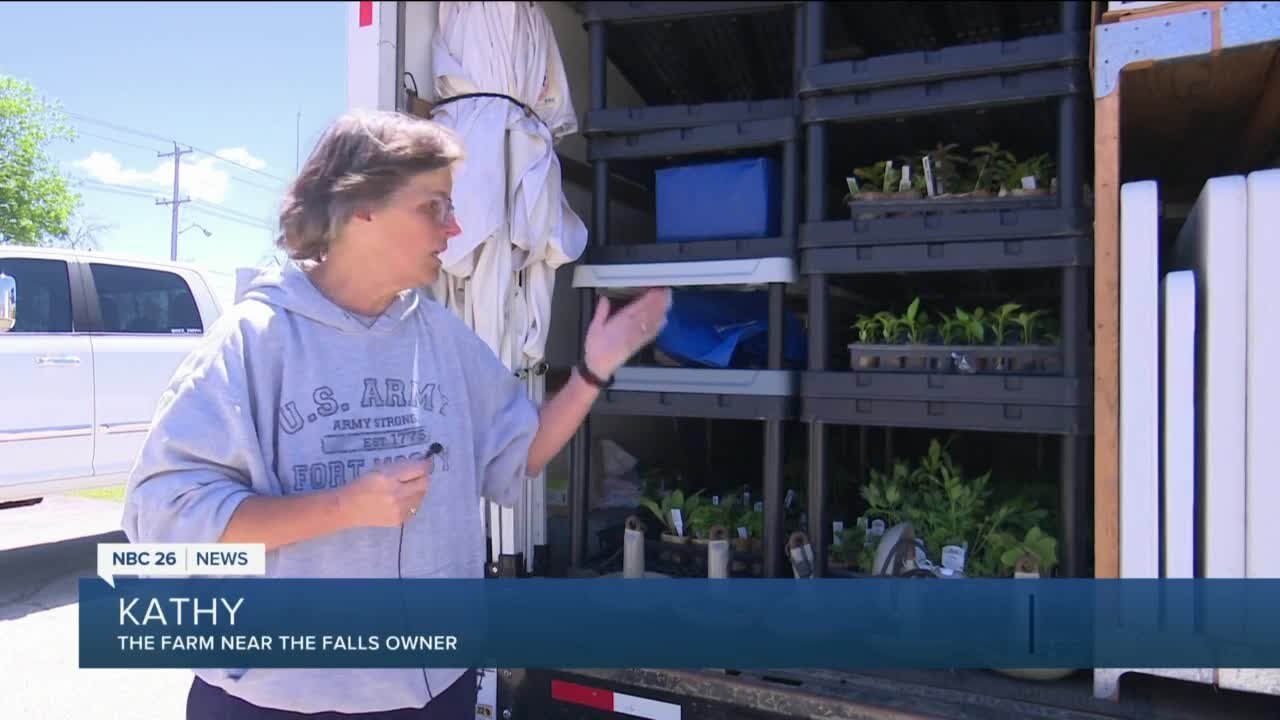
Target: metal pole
{"points": [[175, 202]]}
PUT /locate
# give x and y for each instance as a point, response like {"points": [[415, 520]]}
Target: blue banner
{"points": [[687, 623]]}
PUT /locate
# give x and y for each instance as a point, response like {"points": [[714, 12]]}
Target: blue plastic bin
{"points": [[718, 201], [727, 329]]}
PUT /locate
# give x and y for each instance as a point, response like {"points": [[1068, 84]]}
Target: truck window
{"points": [[139, 301], [44, 294]]}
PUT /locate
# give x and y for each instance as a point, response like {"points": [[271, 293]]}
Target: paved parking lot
{"points": [[44, 550]]}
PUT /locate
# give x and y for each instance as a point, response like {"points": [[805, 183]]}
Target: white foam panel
{"points": [[1213, 244], [1177, 422], [1139, 381], [1262, 495]]}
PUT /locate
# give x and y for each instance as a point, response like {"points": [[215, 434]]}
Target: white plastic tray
{"points": [[749, 271]]}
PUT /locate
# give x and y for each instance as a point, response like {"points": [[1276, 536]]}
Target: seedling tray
{"points": [[874, 205], [962, 359]]}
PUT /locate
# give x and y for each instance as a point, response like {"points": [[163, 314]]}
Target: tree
{"points": [[84, 233], [36, 203]]}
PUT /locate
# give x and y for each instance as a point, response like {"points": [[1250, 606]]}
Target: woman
{"points": [[276, 430]]}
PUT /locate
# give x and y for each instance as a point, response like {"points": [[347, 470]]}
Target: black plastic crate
{"points": [[633, 12], [1071, 251], [688, 251], [1008, 224], [695, 405], [952, 94], [927, 66], [737, 135], [949, 415], [998, 389], [668, 117]]}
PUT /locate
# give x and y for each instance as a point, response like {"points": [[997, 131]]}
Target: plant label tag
{"points": [[759, 506], [1029, 182], [791, 496], [746, 497], [888, 177], [877, 527], [742, 533], [837, 533], [905, 183], [715, 499], [678, 519], [852, 182], [953, 558], [930, 181]]}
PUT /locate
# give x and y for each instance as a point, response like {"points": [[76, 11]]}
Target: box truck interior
{"points": [[789, 158]]}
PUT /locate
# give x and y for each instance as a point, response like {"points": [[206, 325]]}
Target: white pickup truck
{"points": [[87, 344]]}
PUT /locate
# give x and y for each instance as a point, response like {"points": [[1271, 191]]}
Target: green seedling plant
{"points": [[990, 160], [868, 328], [946, 507], [952, 328], [916, 323], [879, 176], [707, 515], [675, 500], [1027, 322], [1040, 167], [1001, 319], [889, 329], [975, 325], [1036, 553], [947, 167]]}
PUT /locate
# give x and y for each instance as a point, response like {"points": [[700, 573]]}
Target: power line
{"points": [[203, 205], [118, 140], [222, 213], [168, 141], [232, 218]]}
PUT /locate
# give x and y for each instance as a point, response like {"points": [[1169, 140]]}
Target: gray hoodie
{"points": [[291, 394]]}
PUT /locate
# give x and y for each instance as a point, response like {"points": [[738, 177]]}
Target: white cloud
{"points": [[202, 178], [242, 156]]}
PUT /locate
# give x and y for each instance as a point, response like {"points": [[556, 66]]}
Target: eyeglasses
{"points": [[441, 209]]}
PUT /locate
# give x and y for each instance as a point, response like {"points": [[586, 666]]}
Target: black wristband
{"points": [[592, 378]]}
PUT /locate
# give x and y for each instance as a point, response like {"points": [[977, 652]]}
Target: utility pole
{"points": [[175, 202]]}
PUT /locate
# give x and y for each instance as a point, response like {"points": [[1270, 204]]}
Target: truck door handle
{"points": [[57, 360]]}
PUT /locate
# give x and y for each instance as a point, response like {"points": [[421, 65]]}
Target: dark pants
{"points": [[206, 702]]}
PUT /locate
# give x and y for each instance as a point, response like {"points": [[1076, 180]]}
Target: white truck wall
{"points": [[420, 22], [371, 57]]}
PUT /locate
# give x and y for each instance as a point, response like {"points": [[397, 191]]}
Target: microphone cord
{"points": [[435, 449]]}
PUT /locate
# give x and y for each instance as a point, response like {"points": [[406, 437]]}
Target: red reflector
{"points": [[581, 695], [366, 13]]}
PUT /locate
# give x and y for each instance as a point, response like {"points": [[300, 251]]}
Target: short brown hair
{"points": [[361, 160]]}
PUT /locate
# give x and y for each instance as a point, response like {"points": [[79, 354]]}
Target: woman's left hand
{"points": [[612, 339]]}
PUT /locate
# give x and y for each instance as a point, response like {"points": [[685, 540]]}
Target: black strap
{"points": [[527, 110], [592, 378]]}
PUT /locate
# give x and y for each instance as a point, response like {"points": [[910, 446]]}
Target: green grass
{"points": [[115, 492]]}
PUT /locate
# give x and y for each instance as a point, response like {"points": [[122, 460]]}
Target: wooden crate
{"points": [[1157, 119], [1183, 92]]}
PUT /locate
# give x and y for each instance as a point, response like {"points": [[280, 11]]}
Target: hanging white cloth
{"points": [[517, 226]]}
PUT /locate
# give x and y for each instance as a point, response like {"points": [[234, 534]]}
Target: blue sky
{"points": [[226, 78]]}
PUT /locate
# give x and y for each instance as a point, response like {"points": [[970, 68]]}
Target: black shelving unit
{"points": [[668, 130], [1013, 234], [977, 71]]}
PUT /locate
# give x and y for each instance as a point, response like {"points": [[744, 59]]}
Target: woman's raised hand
{"points": [[612, 339]]}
